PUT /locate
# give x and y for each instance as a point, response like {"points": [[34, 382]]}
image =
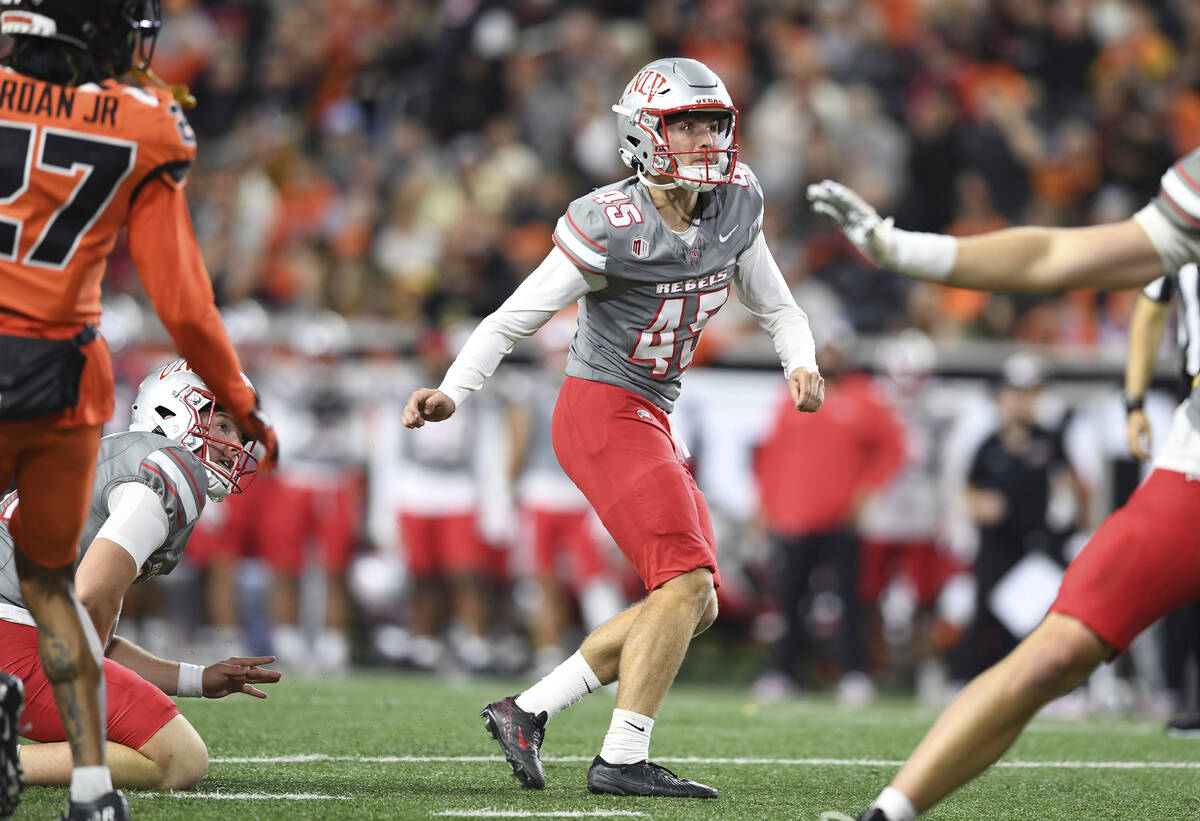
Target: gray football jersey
{"points": [[1178, 200], [641, 330], [174, 474]]}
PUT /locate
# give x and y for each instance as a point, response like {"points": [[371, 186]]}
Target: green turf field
{"points": [[383, 746]]}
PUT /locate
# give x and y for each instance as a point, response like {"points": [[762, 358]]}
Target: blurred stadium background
{"points": [[375, 176]]}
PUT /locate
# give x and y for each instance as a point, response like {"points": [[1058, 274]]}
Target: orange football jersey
{"points": [[73, 161]]}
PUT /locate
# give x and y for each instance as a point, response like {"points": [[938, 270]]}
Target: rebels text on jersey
{"points": [[641, 330], [73, 160]]}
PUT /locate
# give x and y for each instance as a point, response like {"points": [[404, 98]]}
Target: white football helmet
{"points": [[668, 87], [174, 402]]}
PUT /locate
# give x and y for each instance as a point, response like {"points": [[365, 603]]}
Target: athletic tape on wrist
{"points": [[924, 256], [191, 681]]}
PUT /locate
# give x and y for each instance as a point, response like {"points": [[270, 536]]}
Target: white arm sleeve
{"points": [[764, 293], [1175, 248], [552, 286], [136, 520]]}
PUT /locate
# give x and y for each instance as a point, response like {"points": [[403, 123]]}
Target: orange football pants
{"points": [[54, 469]]}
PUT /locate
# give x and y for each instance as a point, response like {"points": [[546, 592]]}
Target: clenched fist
{"points": [[807, 389], [427, 405]]}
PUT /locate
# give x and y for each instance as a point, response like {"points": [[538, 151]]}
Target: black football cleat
{"points": [[12, 699], [642, 778], [108, 807], [520, 735], [873, 814]]}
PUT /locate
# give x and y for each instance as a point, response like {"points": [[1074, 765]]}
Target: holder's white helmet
{"points": [[174, 402], [669, 87]]}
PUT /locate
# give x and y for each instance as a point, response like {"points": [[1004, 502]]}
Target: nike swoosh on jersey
{"points": [[724, 237]]}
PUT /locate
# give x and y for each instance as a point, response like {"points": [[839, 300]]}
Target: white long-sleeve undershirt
{"points": [[552, 286], [764, 293], [557, 283]]}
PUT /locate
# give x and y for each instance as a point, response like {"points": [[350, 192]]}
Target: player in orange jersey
{"points": [[82, 155]]}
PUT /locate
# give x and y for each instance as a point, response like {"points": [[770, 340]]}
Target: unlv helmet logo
{"points": [[648, 83], [640, 247], [178, 366]]}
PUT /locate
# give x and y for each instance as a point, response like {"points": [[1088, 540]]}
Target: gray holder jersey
{"points": [[640, 331], [175, 475], [1178, 200]]}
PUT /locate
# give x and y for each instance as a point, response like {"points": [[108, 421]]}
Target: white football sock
{"points": [[89, 783], [560, 688], [628, 738], [895, 805]]}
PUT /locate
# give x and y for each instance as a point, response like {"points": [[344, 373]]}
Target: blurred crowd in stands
{"points": [[408, 160], [404, 162]]}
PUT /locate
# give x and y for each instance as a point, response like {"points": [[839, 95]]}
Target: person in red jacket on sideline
{"points": [[815, 473]]}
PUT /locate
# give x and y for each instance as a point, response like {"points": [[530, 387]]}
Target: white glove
{"points": [[861, 223], [926, 256]]}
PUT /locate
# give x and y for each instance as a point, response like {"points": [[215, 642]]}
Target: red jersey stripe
{"points": [[578, 262], [191, 478], [178, 515], [1188, 218], [583, 235], [1184, 174]]}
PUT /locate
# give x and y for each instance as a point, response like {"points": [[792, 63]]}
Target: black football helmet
{"points": [[111, 31]]}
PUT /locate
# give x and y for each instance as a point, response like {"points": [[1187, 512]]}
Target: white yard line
{"points": [[779, 762], [490, 813], [246, 796]]}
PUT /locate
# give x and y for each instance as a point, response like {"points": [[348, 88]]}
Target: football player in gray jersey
{"points": [[1144, 561], [650, 259], [151, 485]]}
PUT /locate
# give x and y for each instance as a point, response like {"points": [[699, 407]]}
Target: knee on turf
{"points": [[180, 754]]}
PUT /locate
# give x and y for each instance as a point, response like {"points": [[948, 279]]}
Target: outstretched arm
{"points": [[552, 286], [1113, 255], [136, 526], [163, 247], [233, 675], [164, 250]]}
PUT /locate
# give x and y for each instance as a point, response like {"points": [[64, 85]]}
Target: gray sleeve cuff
{"points": [[1175, 248]]}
